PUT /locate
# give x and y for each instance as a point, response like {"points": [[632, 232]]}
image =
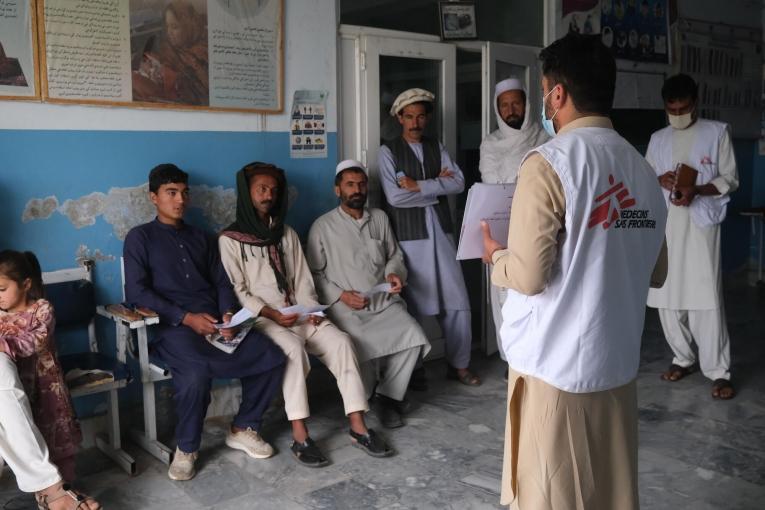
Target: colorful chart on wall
{"points": [[188, 54], [18, 50], [635, 30]]}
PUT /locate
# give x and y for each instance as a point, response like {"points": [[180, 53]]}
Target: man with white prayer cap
{"points": [[502, 152], [417, 175], [352, 253]]}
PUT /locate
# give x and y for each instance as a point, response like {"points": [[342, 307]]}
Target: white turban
{"points": [[410, 96], [508, 84], [349, 163]]}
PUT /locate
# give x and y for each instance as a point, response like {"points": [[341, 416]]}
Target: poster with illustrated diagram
{"points": [[308, 128]]}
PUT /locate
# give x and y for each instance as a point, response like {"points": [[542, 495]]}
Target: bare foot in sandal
{"points": [[62, 497], [722, 389], [676, 372]]}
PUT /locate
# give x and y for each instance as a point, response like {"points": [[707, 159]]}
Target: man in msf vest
{"points": [[691, 303], [417, 174], [502, 152], [585, 238]]}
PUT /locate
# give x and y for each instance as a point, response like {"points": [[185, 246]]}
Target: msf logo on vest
{"points": [[616, 207]]}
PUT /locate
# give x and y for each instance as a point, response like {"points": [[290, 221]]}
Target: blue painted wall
{"points": [[72, 164]]}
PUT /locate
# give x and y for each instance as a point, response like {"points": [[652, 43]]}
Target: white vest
{"points": [[706, 211], [582, 333]]}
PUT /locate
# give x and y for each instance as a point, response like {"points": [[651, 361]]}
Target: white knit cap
{"points": [[508, 84], [410, 96], [349, 163]]}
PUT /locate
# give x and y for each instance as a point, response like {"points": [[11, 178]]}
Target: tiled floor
{"points": [[695, 453]]}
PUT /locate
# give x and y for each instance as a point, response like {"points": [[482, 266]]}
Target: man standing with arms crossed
{"points": [[586, 232], [417, 174]]}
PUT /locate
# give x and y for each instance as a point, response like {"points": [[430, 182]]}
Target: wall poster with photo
{"points": [[636, 30], [188, 54], [457, 20], [18, 50]]}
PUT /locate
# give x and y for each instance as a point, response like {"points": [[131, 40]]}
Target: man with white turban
{"points": [[417, 175], [503, 150]]}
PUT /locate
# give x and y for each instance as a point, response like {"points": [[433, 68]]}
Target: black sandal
{"points": [[308, 454], [675, 372], [371, 443], [722, 384]]}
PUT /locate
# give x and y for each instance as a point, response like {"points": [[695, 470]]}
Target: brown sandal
{"points": [[47, 496], [718, 386], [467, 378], [675, 372]]}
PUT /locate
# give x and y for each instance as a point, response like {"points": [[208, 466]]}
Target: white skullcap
{"points": [[410, 96], [349, 163], [508, 84]]}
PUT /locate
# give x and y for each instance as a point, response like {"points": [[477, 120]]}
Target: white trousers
{"points": [[498, 296], [708, 329], [21, 444]]}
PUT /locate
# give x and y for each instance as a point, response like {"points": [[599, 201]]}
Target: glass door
{"points": [[391, 66]]}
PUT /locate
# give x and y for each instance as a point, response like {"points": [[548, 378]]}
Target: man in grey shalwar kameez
{"points": [[352, 249], [417, 174]]}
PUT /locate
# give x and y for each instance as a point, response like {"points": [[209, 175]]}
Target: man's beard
{"points": [[514, 122], [355, 201]]}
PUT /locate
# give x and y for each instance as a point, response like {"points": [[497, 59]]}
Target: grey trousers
{"points": [[391, 373]]}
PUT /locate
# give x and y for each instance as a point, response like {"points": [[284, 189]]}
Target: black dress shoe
{"points": [[308, 454], [371, 443], [386, 411]]}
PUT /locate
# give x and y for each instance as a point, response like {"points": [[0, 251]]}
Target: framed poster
{"points": [[189, 54], [457, 20], [18, 50]]}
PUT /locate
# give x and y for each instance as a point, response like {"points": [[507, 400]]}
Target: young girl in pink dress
{"points": [[28, 357]]}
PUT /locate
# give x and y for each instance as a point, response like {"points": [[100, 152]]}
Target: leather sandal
{"points": [[675, 372], [722, 384], [467, 378], [371, 443], [80, 501], [308, 454]]}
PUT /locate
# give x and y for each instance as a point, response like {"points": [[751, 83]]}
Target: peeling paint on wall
{"points": [[125, 208], [39, 209], [84, 211], [84, 253]]}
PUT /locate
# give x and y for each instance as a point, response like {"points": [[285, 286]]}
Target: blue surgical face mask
{"points": [[547, 124]]}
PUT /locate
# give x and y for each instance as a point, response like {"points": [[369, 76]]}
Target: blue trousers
{"points": [[193, 362]]}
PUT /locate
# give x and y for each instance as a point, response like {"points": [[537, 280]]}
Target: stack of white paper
{"points": [[485, 202]]}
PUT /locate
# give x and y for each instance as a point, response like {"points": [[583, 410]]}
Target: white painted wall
{"points": [[310, 52]]}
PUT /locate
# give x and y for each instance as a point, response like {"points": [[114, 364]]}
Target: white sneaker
{"points": [[182, 467], [250, 442]]}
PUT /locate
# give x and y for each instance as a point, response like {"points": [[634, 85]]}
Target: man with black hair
{"points": [[584, 243], [174, 269], [264, 260], [417, 175], [351, 250], [690, 305]]}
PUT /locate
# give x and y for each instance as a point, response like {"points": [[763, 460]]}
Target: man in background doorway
{"points": [[691, 303], [502, 152], [417, 175]]}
